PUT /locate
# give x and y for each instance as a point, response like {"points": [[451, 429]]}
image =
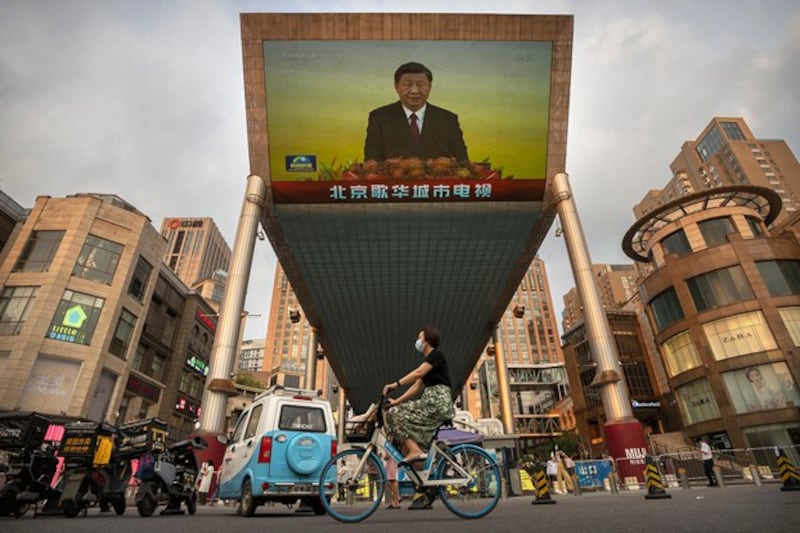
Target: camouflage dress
{"points": [[419, 419]]}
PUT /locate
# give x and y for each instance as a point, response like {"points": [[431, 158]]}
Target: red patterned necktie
{"points": [[414, 128]]}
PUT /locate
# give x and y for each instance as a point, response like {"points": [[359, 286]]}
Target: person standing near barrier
{"points": [[562, 475], [708, 461], [551, 469]]}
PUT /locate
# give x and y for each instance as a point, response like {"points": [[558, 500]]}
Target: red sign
{"points": [[390, 190], [143, 389], [206, 321]]}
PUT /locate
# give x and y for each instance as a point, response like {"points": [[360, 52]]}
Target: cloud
{"points": [[145, 100]]}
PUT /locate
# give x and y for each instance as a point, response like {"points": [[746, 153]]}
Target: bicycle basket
{"points": [[359, 431]]}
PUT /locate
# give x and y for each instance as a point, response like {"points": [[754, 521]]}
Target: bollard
{"points": [[684, 479], [540, 486], [612, 482], [576, 485], [789, 476], [655, 488], [756, 475], [718, 477]]}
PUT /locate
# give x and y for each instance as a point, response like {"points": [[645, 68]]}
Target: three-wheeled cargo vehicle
{"points": [[31, 463], [94, 474]]}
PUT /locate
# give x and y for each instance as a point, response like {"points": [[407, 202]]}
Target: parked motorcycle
{"points": [[31, 463], [168, 478], [94, 474]]}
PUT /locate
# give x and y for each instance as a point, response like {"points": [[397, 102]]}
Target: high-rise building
{"points": [[722, 301], [727, 153], [76, 282], [288, 340], [198, 253], [649, 405], [535, 363], [10, 214], [617, 285], [92, 324], [251, 358]]}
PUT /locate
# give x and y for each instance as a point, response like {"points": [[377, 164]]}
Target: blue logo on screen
{"points": [[301, 163]]}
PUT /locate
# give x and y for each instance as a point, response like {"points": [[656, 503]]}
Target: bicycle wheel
{"points": [[350, 494], [480, 495]]}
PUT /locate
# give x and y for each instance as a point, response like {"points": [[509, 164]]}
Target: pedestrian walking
{"points": [[393, 494], [708, 461], [204, 481]]}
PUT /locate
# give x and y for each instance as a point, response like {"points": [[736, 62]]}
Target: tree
{"points": [[249, 381]]}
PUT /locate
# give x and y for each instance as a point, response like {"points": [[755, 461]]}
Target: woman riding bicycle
{"points": [[413, 423]]}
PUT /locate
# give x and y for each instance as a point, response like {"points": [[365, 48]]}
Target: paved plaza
{"points": [[746, 508]]}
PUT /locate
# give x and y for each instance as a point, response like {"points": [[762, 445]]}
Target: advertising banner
{"points": [[591, 474]]}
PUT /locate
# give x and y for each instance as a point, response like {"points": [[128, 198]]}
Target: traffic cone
{"points": [[791, 481], [540, 485], [655, 488]]}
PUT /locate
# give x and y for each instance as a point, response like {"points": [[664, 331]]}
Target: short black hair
{"points": [[412, 68], [431, 335]]}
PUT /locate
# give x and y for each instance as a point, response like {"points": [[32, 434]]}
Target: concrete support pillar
{"points": [[218, 384], [311, 360], [623, 433], [503, 390]]}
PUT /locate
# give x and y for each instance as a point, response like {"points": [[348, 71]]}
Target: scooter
{"points": [[168, 478]]}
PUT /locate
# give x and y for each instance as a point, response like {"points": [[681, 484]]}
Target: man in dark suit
{"points": [[411, 127]]}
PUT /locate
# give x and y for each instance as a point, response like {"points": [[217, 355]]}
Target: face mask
{"points": [[419, 345]]}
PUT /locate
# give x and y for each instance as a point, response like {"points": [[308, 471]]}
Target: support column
{"points": [[502, 381], [219, 385], [342, 415], [623, 433], [311, 360]]}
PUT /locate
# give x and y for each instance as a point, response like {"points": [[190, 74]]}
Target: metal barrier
{"points": [[684, 468], [745, 465]]}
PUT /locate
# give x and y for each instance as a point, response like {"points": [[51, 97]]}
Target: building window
{"points": [[39, 251], [720, 287], [755, 226], [791, 319], [680, 354], [98, 260], [696, 402], [148, 362], [676, 243], [666, 309], [638, 380], [739, 335], [15, 304], [710, 144], [76, 318], [141, 275], [732, 130], [782, 276], [715, 230], [122, 335], [761, 387]]}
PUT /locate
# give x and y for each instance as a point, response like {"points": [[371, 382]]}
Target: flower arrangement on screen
{"points": [[413, 168]]}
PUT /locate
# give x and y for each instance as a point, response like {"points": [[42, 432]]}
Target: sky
{"points": [[145, 99]]}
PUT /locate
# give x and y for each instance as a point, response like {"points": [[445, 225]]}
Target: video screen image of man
{"points": [[412, 127]]}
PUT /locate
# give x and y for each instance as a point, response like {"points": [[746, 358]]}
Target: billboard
{"points": [[326, 124]]}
